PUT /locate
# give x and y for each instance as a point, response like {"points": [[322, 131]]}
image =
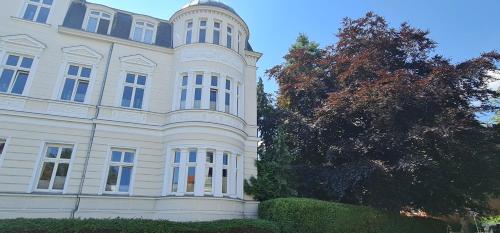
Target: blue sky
{"points": [[463, 28]]}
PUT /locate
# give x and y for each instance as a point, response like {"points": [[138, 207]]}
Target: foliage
{"points": [[133, 226], [274, 163], [313, 216], [377, 120]]}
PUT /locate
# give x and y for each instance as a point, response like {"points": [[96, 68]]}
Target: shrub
{"points": [[295, 215], [134, 226]]}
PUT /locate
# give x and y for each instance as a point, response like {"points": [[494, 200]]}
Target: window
{"points": [[239, 41], [37, 10], [120, 170], [2, 147], [76, 83], [133, 91], [189, 32], [197, 91], [184, 83], [191, 177], [238, 99], [143, 32], [175, 175], [227, 105], [98, 22], [203, 31], [229, 42], [209, 172], [225, 172], [55, 165], [216, 35], [15, 74], [214, 91]]}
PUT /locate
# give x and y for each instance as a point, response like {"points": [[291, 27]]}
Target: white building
{"points": [[107, 113]]}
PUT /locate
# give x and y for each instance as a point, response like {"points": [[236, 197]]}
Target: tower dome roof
{"points": [[214, 3]]}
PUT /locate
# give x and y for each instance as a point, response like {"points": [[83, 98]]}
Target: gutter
{"points": [[92, 133]]}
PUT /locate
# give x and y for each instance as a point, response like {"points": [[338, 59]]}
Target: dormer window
{"points": [[37, 10], [98, 22], [143, 32], [203, 31]]}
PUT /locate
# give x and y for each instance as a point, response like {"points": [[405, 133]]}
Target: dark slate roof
{"points": [[214, 3]]}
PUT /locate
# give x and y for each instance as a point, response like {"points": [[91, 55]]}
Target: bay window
{"points": [[198, 91], [76, 83], [133, 91], [54, 169], [189, 32], [143, 32], [37, 10], [203, 31], [98, 22], [119, 175], [216, 34], [15, 73]]}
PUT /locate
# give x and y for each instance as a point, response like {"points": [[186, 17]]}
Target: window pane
{"points": [[68, 89], [103, 27], [184, 81], [81, 91], [216, 25], [228, 101], [30, 12], [210, 157], [213, 100], [48, 2], [229, 41], [129, 157], [85, 72], [45, 175], [190, 179], [127, 96], [139, 95], [5, 79], [2, 145], [197, 98], [208, 179], [225, 159], [137, 34], [188, 36], [27, 62], [116, 156], [203, 23], [112, 178], [130, 78], [43, 15], [177, 158], [199, 79], [228, 84], [12, 60], [125, 179], [214, 80], [73, 70], [52, 152], [141, 80], [192, 156], [216, 37], [203, 33], [148, 36], [60, 178], [66, 153], [20, 83], [175, 179], [183, 98], [92, 24], [224, 180]]}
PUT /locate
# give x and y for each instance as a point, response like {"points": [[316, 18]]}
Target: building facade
{"points": [[106, 113]]}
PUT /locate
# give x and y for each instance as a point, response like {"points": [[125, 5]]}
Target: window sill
{"points": [[30, 22]]}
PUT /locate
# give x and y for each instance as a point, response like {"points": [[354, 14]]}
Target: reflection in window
{"points": [[15, 73], [143, 32], [133, 91], [37, 10], [76, 83], [120, 171], [98, 22], [55, 165]]}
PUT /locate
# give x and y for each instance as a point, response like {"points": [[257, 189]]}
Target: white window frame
{"points": [[17, 70], [144, 28], [228, 109], [108, 163], [196, 86], [134, 87], [38, 5], [39, 166], [215, 29], [182, 87], [229, 36], [200, 27], [205, 174], [172, 168], [77, 79], [217, 89], [189, 29], [89, 14], [188, 165], [135, 64]]}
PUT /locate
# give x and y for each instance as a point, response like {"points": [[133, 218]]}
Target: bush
{"points": [[134, 226], [295, 215]]}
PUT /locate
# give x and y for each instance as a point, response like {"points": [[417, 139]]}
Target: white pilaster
{"points": [[183, 172], [222, 94], [218, 174], [232, 104], [199, 182], [205, 93], [232, 176], [240, 179], [242, 101], [167, 176]]}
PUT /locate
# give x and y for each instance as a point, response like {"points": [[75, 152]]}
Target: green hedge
{"points": [[295, 215], [134, 226]]}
